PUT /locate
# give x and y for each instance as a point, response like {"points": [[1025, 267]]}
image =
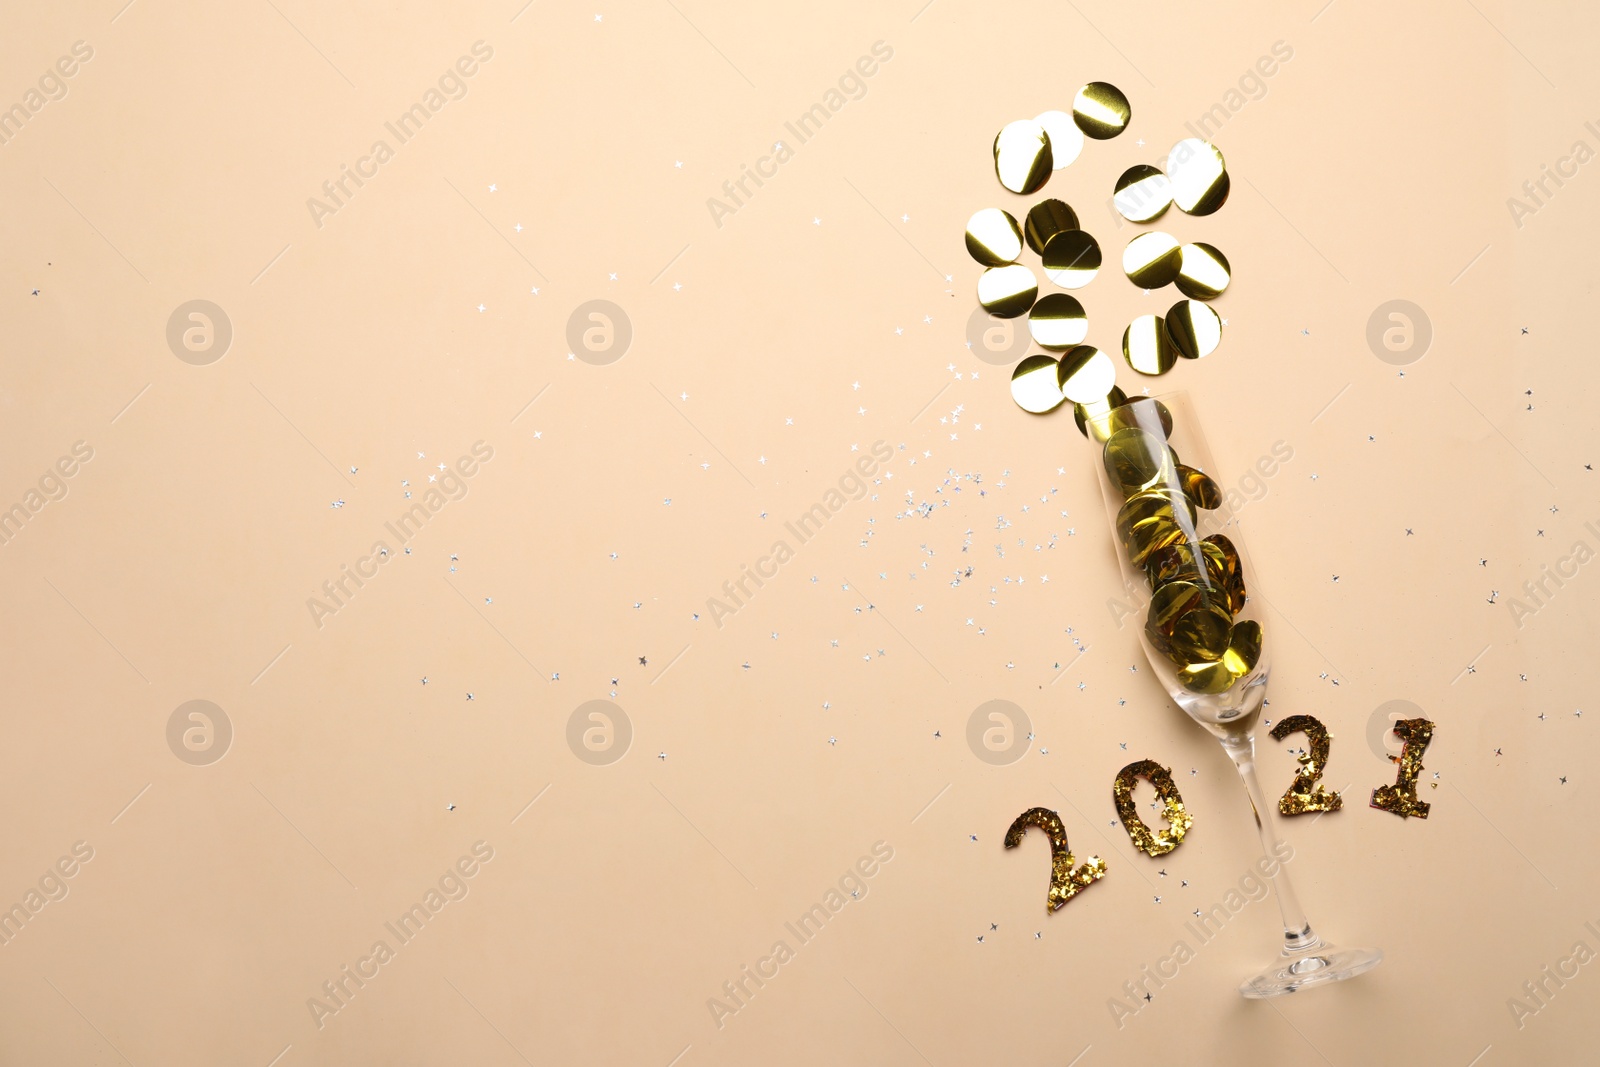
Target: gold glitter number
{"points": [[1401, 798], [1065, 882], [1151, 842], [1306, 794]]}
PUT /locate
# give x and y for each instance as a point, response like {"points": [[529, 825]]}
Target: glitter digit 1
{"points": [[1065, 882], [1401, 798], [1305, 794], [1151, 842]]}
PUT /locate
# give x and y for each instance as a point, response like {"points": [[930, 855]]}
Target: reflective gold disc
{"points": [[1033, 385], [1087, 374], [1244, 647], [1145, 345], [1151, 260], [1232, 571], [1151, 535], [1200, 564], [1210, 678], [1150, 503], [1167, 605], [1007, 291], [1203, 272], [1046, 219], [1022, 158], [1201, 635], [1199, 487], [1135, 459], [1143, 193], [1066, 140], [1194, 329], [1148, 413], [993, 237], [1094, 418], [1199, 176], [1071, 259], [1101, 111], [1057, 322]]}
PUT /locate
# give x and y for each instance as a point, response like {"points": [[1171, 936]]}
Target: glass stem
{"points": [[1297, 932]]}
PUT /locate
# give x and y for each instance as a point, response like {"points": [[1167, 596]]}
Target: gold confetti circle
{"points": [[1033, 385], [1066, 140], [1194, 329], [993, 237], [1143, 193], [1058, 322], [1200, 487], [1203, 271], [1046, 219], [1022, 157], [1094, 418], [1145, 346], [1159, 501], [1007, 291], [1071, 259], [1152, 259], [1136, 459], [1199, 176], [1086, 374], [1101, 111]]}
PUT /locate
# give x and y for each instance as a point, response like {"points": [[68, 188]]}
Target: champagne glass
{"points": [[1181, 552]]}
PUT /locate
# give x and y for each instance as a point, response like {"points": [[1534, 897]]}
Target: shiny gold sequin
{"points": [[993, 237], [1057, 322], [1151, 842], [1066, 140], [1152, 535], [1200, 487], [1033, 385], [1143, 193], [1218, 676], [1022, 159], [1232, 571], [1007, 291], [1148, 413], [1071, 259], [1306, 793], [1199, 176], [1086, 374], [1094, 418], [1194, 329], [1203, 271], [1135, 458], [1151, 260], [1150, 503], [1046, 219], [1401, 798], [1145, 346], [1065, 881], [1201, 635], [1101, 111]]}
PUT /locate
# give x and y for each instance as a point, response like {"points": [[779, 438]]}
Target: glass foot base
{"points": [[1294, 972]]}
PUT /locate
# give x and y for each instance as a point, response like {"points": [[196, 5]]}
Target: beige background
{"points": [[767, 755]]}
